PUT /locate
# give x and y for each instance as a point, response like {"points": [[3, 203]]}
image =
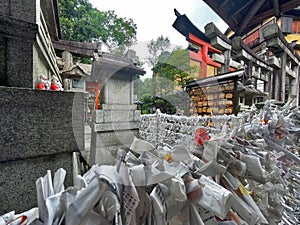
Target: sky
{"points": [[155, 18]]}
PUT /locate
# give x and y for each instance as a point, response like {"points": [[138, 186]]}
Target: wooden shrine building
{"points": [[272, 73]]}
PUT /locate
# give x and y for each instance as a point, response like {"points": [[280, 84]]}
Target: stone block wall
{"points": [[40, 130]]}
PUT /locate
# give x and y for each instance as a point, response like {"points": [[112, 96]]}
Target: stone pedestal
{"points": [[112, 129]]}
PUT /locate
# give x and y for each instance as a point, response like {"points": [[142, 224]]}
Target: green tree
{"points": [[151, 103], [158, 50], [178, 69], [146, 87], [82, 22], [175, 70]]}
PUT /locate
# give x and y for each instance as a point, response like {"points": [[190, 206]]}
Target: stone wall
{"points": [[19, 61], [39, 131]]}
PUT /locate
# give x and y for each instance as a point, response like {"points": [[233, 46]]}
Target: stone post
{"points": [[219, 41], [267, 85], [277, 85], [281, 48], [67, 59], [294, 86], [283, 77]]}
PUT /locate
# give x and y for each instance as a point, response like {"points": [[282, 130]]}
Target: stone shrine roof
{"points": [[117, 63]]}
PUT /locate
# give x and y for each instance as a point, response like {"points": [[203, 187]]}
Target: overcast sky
{"points": [[155, 18]]}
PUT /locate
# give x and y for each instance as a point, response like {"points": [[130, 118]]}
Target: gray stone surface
{"points": [[3, 77], [112, 129], [13, 27], [104, 145], [118, 89], [17, 180], [104, 155], [116, 138], [19, 63], [39, 131], [22, 10], [16, 43], [35, 123], [117, 115]]}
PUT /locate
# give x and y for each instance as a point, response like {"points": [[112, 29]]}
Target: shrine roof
{"points": [[216, 79], [243, 15]]}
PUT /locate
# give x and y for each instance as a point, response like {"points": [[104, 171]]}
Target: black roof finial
{"points": [[177, 13]]}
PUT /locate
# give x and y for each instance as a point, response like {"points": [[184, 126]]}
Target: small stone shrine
{"points": [[116, 122]]}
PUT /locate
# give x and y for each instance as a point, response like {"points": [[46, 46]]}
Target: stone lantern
{"points": [[116, 123]]}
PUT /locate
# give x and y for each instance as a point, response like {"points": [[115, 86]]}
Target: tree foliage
{"points": [[82, 22], [178, 69], [147, 87], [174, 71], [171, 72], [157, 48], [151, 103]]}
